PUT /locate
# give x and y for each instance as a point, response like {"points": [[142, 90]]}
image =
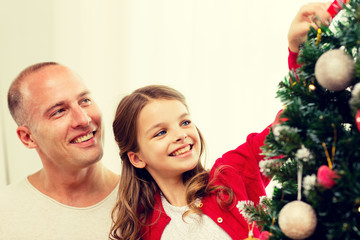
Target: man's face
{"points": [[64, 122]]}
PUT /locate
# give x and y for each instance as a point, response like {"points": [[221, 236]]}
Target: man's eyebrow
{"points": [[54, 106], [61, 103]]}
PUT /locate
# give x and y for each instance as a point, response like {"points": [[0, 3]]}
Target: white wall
{"points": [[4, 179], [226, 56]]}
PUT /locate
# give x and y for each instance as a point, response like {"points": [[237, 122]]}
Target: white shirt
{"points": [[194, 227], [28, 214]]}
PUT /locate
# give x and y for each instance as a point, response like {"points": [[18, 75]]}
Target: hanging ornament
{"points": [[264, 235], [357, 119], [297, 220], [312, 87], [334, 70], [326, 177], [318, 36], [251, 233]]}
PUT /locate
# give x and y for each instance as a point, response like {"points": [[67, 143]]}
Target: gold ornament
{"points": [[253, 238], [251, 233], [318, 36]]}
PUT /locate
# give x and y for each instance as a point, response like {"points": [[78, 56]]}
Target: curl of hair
{"points": [[200, 186]]}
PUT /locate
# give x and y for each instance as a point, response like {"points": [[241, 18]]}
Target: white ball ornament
{"points": [[297, 220], [334, 70]]}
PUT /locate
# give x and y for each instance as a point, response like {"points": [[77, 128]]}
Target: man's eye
{"points": [[162, 132], [57, 112]]}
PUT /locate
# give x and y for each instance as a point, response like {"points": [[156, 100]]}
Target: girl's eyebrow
{"points": [[184, 115], [153, 127]]}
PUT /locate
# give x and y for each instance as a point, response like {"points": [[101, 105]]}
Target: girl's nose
{"points": [[181, 137]]}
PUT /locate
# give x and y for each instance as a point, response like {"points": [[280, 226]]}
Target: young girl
{"points": [[162, 175], [164, 190]]}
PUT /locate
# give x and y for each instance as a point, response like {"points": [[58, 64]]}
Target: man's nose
{"points": [[80, 118]]}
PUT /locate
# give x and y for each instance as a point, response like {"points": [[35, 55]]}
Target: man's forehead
{"points": [[50, 86], [52, 78]]}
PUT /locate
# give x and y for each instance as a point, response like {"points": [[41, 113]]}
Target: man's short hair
{"points": [[16, 95]]}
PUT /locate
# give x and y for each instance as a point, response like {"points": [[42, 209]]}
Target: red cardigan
{"points": [[242, 175]]}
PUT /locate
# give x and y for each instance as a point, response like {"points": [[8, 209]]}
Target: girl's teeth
{"points": [[181, 151]]}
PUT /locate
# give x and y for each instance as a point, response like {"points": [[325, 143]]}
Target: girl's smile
{"points": [[181, 151]]}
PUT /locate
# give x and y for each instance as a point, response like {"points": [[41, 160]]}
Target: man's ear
{"points": [[136, 160], [25, 137]]}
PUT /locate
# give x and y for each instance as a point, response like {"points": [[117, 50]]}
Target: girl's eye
{"points": [[185, 123], [162, 132]]}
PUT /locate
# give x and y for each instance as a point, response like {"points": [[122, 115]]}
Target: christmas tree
{"points": [[313, 149]]}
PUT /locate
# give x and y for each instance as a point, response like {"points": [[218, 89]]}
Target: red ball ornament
{"points": [[357, 119], [326, 176], [264, 235], [297, 220]]}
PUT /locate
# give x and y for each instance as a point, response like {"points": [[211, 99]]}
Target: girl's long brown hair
{"points": [[136, 195]]}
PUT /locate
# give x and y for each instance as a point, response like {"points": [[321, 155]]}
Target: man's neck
{"points": [[81, 188]]}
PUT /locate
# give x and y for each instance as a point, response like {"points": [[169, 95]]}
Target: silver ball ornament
{"points": [[297, 220], [334, 70]]}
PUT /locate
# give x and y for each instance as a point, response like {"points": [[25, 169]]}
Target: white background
{"points": [[226, 56]]}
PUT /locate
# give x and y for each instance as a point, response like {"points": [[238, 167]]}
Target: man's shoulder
{"points": [[13, 192]]}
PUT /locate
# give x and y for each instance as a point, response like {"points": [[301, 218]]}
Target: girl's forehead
{"points": [[161, 111], [164, 105]]}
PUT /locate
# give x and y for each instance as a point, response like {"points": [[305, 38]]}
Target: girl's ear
{"points": [[136, 160], [25, 137]]}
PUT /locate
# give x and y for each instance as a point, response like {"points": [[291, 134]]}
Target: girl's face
{"points": [[169, 143]]}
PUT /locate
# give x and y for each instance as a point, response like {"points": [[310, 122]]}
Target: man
{"points": [[72, 196]]}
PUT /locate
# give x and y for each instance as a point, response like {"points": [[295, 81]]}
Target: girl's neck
{"points": [[175, 193]]}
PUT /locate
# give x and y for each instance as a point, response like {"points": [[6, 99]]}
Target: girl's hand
{"points": [[312, 14]]}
